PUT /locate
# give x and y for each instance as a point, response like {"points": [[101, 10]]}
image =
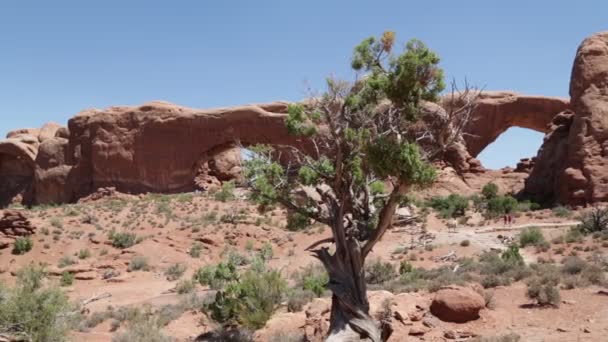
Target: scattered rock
{"points": [[457, 304], [417, 331]]}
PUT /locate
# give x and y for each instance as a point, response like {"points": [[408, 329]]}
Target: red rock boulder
{"points": [[457, 304]]}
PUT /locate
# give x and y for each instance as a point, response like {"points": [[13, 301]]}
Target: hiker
{"points": [[505, 219]]}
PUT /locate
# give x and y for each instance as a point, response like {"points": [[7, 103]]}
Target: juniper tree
{"points": [[363, 157]]}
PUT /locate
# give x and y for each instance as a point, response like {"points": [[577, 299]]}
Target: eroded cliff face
{"points": [[572, 165]]}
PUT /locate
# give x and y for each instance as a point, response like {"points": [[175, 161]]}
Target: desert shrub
{"points": [[544, 291], [226, 193], [573, 265], [65, 261], [297, 222], [512, 337], [175, 271], [84, 254], [595, 220], [67, 279], [195, 250], [138, 263], [405, 267], [500, 205], [449, 207], [216, 276], [29, 309], [234, 257], [573, 235], [22, 245], [297, 298], [512, 256], [378, 272], [124, 240], [251, 301], [266, 253], [287, 337], [527, 206], [531, 237], [561, 211], [489, 191], [312, 278], [185, 286], [142, 330]]}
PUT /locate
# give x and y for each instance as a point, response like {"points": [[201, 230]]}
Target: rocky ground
{"points": [[75, 239]]}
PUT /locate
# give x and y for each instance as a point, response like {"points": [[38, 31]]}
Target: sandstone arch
{"points": [[498, 111]]}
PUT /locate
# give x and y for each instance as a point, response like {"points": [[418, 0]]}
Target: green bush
{"points": [[512, 256], [297, 222], [124, 240], [144, 329], [405, 267], [266, 253], [531, 237], [297, 298], [84, 254], [195, 250], [226, 193], [175, 271], [501, 205], [561, 211], [22, 245], [67, 279], [489, 191], [216, 276], [138, 263], [29, 309], [312, 278], [185, 286], [544, 291], [573, 235], [378, 272], [251, 301], [449, 207]]}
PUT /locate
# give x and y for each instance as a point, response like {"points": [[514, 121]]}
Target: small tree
{"points": [[355, 136]]}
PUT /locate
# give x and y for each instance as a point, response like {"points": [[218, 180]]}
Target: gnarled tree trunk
{"points": [[350, 319]]}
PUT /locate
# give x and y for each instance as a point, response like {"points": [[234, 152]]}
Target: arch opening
{"points": [[511, 147]]}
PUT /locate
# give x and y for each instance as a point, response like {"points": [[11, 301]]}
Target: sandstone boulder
{"points": [[457, 304]]}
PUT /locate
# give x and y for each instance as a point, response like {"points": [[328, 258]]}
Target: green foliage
{"points": [[501, 205], [22, 245], [65, 261], [531, 237], [297, 298], [143, 329], [67, 279], [401, 160], [544, 290], [84, 254], [217, 276], [138, 263], [175, 271], [29, 309], [405, 267], [226, 193], [561, 211], [313, 278], [378, 271], [251, 301], [124, 240], [266, 252], [512, 256], [195, 250], [297, 221], [489, 191], [451, 206], [185, 286]]}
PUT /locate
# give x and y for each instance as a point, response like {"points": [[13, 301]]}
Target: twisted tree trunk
{"points": [[350, 319]]}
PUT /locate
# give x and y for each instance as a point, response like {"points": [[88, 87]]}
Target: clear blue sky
{"points": [[59, 57]]}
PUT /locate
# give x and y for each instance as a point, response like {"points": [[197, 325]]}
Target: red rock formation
{"points": [[498, 111], [14, 224], [572, 165]]}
